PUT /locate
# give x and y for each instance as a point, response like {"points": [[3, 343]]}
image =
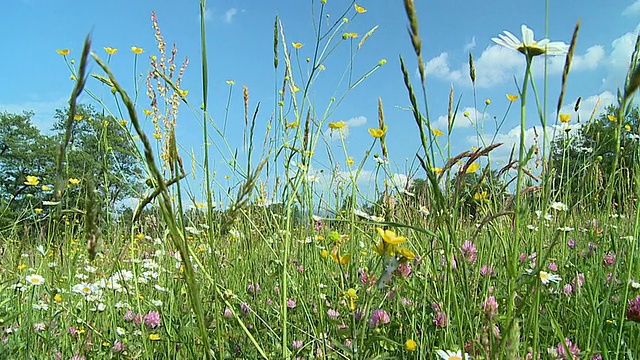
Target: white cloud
{"points": [[208, 14], [334, 134], [510, 140], [400, 181], [229, 15], [471, 45], [632, 9], [44, 111], [439, 66], [618, 61], [590, 60], [461, 121], [588, 105]]}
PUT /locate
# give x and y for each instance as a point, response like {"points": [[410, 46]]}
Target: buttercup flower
{"points": [[63, 52], [565, 118], [377, 133], [359, 9], [512, 98], [296, 45], [32, 180], [136, 50], [337, 125], [410, 345], [528, 46], [390, 237], [110, 50]]}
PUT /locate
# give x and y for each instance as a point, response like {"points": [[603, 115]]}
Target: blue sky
{"points": [[240, 48]]}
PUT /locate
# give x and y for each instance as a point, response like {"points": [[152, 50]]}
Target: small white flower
{"points": [[40, 249], [40, 306], [634, 284], [120, 331], [424, 210], [546, 277], [558, 206], [312, 178], [80, 276], [157, 303], [452, 355], [35, 279], [565, 229], [160, 288], [102, 307], [528, 46], [532, 228], [548, 217]]}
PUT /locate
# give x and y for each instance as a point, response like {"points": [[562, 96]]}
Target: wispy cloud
{"points": [[208, 14], [632, 9], [43, 111], [476, 116], [229, 15], [334, 135], [471, 45]]}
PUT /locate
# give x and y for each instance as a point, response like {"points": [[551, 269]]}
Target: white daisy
{"points": [[558, 206], [528, 46], [546, 277], [35, 279], [452, 355]]}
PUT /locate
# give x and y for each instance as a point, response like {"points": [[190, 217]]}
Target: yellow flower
{"points": [[32, 180], [63, 52], [154, 337], [110, 50], [37, 210], [565, 118], [22, 266], [147, 112], [473, 168], [324, 253], [512, 98], [183, 93], [74, 181], [382, 62], [295, 89], [230, 82], [350, 161], [612, 118], [157, 135], [488, 101], [390, 237], [338, 259], [77, 117], [351, 293], [377, 133], [359, 9], [292, 125], [406, 253], [410, 345], [437, 132], [136, 50], [466, 114], [122, 122], [45, 188], [57, 298], [348, 35], [627, 127], [296, 45], [337, 125], [480, 196], [437, 170]]}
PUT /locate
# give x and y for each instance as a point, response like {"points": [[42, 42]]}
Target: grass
{"points": [[478, 260]]}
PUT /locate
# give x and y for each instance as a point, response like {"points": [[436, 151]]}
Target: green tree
{"points": [[24, 151], [582, 163], [101, 152]]}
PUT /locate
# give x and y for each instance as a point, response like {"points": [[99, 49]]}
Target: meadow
{"points": [[535, 259]]}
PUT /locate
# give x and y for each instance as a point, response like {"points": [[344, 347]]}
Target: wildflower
{"points": [[609, 259], [32, 180], [349, 35], [436, 170], [377, 133], [437, 132], [453, 355], [404, 269], [291, 304], [466, 114], [490, 307], [297, 344], [350, 161], [546, 277], [552, 266], [473, 168], [528, 46], [512, 98], [136, 50], [379, 317], [152, 319], [35, 279], [154, 337], [390, 237], [340, 259], [22, 266], [567, 289], [571, 347], [481, 196], [440, 320], [74, 181], [487, 102], [359, 9], [296, 45], [110, 51], [118, 347], [292, 125], [410, 345], [565, 118], [558, 206], [230, 82], [57, 297], [333, 314], [612, 118], [63, 52], [486, 270], [424, 210], [337, 125], [469, 251], [633, 311]]}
